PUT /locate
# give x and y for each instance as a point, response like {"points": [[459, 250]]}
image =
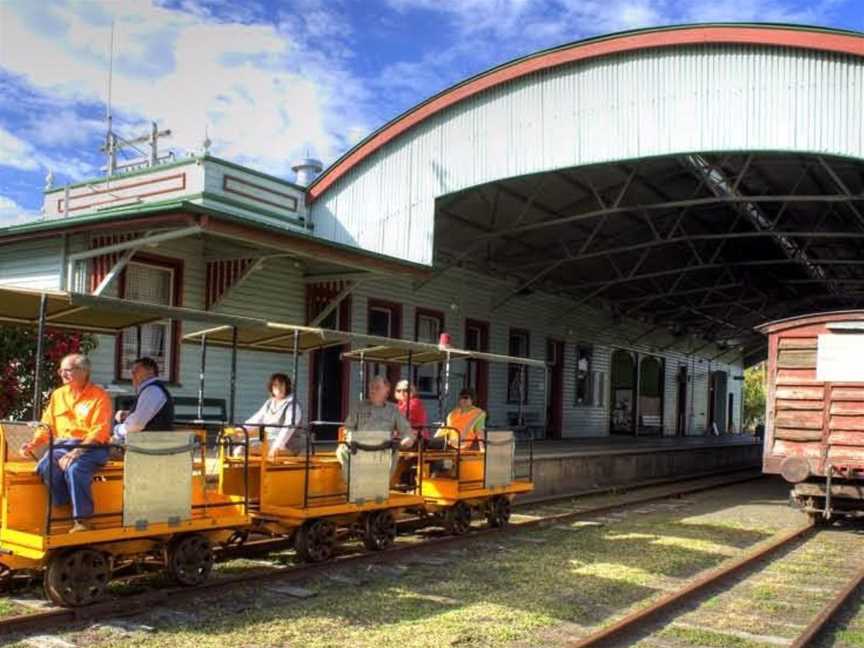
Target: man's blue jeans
{"points": [[73, 484]]}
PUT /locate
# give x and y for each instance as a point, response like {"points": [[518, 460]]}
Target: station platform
{"points": [[573, 466]]}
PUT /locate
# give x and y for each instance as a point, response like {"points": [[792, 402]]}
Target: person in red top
{"points": [[412, 408], [78, 413]]}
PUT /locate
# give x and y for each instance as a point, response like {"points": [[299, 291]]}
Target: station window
{"points": [[517, 375], [584, 396], [427, 328], [150, 282], [381, 321], [384, 319]]}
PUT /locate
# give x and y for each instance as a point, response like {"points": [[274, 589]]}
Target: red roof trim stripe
{"points": [[768, 36]]}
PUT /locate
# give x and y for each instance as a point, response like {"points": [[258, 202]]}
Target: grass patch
{"points": [[704, 637], [851, 637]]}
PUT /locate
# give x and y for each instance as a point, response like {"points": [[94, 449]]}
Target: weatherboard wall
{"points": [[277, 292]]}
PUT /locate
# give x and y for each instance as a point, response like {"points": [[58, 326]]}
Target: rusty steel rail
{"points": [[829, 611], [139, 603], [631, 622]]}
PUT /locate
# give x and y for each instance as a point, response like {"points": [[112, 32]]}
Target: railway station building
{"points": [[626, 208]]}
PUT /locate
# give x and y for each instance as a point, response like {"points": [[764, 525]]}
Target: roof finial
{"points": [[205, 145]]}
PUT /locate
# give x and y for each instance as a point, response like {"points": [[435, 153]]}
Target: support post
{"points": [[522, 394], [410, 382], [233, 386], [320, 386], [294, 375], [201, 372], [40, 343]]}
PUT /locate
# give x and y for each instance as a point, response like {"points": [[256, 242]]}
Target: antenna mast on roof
{"points": [[110, 139], [114, 143]]}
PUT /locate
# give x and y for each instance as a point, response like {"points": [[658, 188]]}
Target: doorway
{"points": [[327, 367], [477, 371], [681, 418], [651, 384], [717, 402], [555, 397], [329, 375], [623, 384]]}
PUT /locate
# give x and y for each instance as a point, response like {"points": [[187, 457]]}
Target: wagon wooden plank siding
{"points": [[815, 412]]}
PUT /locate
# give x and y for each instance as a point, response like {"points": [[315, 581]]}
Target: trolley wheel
{"points": [[498, 511], [315, 541], [457, 519], [76, 578], [379, 530], [818, 520], [5, 578], [190, 559]]}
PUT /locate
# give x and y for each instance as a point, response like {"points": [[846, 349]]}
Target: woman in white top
{"points": [[281, 417]]}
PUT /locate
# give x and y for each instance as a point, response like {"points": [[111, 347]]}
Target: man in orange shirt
{"points": [[79, 413]]}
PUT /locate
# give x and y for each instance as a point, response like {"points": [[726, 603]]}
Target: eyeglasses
{"points": [[64, 370], [464, 398], [401, 391]]}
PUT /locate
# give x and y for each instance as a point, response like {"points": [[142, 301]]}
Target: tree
{"points": [[755, 378], [18, 365]]}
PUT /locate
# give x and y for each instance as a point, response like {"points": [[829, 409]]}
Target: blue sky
{"points": [[270, 81]]}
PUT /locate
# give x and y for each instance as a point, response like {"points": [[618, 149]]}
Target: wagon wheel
{"points": [[457, 519], [5, 578], [78, 577], [379, 530], [190, 559], [498, 511], [315, 541]]}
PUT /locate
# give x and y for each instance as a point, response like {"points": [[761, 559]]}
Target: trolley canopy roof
{"points": [[271, 336], [97, 314], [425, 353]]}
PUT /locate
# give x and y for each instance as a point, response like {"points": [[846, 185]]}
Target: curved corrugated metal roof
{"points": [[775, 35]]}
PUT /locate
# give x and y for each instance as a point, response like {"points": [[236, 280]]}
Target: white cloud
{"points": [[18, 153], [15, 152], [265, 94], [13, 214]]}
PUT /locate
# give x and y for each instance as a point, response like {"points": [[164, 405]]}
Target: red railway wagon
{"points": [[814, 429]]}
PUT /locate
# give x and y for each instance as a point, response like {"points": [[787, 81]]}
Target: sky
{"points": [[272, 81]]}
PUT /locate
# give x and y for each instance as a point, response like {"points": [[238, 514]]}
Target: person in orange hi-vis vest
{"points": [[78, 414], [468, 419]]}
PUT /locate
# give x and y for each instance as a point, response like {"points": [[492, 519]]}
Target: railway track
{"points": [[820, 596], [48, 620]]}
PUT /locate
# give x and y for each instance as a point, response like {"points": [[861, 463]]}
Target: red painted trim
{"points": [[292, 199], [555, 408], [655, 39], [481, 366], [111, 190]]}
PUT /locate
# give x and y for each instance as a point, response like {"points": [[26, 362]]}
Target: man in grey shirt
{"points": [[376, 414]]}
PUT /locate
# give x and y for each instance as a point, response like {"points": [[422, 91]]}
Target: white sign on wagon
{"points": [[840, 358]]}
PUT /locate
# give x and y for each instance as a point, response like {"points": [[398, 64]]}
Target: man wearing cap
{"points": [[466, 420]]}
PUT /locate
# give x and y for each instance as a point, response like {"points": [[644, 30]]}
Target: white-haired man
{"points": [[78, 414], [375, 414]]}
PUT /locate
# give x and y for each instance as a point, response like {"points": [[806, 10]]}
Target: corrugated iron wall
{"points": [[648, 103]]}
